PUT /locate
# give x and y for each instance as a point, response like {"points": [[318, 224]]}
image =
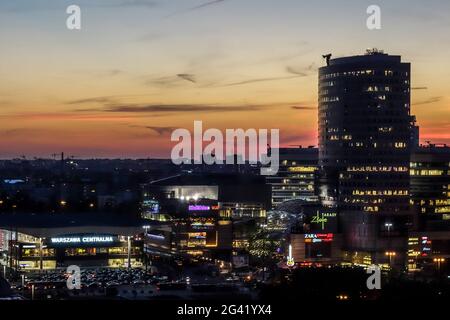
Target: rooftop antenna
{"points": [[372, 51], [327, 58]]}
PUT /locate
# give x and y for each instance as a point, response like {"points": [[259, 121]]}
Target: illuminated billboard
{"points": [[323, 221], [318, 237], [82, 240], [198, 207], [201, 207], [425, 246], [318, 245]]}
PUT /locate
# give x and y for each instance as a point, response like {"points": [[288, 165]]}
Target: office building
{"points": [[295, 179], [365, 134], [430, 182], [429, 246]]}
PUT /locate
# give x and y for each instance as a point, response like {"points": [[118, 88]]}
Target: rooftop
{"points": [[371, 55], [209, 179], [31, 220]]}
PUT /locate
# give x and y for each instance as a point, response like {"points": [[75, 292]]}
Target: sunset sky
{"points": [[139, 69]]}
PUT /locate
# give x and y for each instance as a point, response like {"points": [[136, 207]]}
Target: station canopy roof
{"points": [[50, 225]]}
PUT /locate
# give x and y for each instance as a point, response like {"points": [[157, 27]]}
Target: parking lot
{"points": [[132, 284]]}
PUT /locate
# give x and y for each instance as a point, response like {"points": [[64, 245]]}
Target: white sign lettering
{"points": [[86, 239]]}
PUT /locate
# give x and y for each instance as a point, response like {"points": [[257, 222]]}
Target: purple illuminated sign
{"points": [[198, 207]]}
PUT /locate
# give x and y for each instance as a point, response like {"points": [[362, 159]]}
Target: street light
{"points": [[439, 261], [389, 225], [129, 251], [390, 254]]}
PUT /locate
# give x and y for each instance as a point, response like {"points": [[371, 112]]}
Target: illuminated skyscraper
{"points": [[365, 131]]}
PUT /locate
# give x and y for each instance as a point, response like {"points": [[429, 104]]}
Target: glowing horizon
{"points": [[139, 69]]}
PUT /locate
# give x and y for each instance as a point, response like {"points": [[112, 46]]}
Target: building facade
{"points": [[365, 131], [295, 179], [429, 247], [48, 242], [210, 215], [430, 182]]}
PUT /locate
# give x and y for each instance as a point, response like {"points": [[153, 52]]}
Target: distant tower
{"points": [[365, 131], [62, 163]]}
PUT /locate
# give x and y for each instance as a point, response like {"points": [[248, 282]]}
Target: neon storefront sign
{"points": [[198, 207], [318, 237], [322, 219], [83, 239]]}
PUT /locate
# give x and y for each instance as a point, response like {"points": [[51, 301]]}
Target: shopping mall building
{"points": [[50, 241]]}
